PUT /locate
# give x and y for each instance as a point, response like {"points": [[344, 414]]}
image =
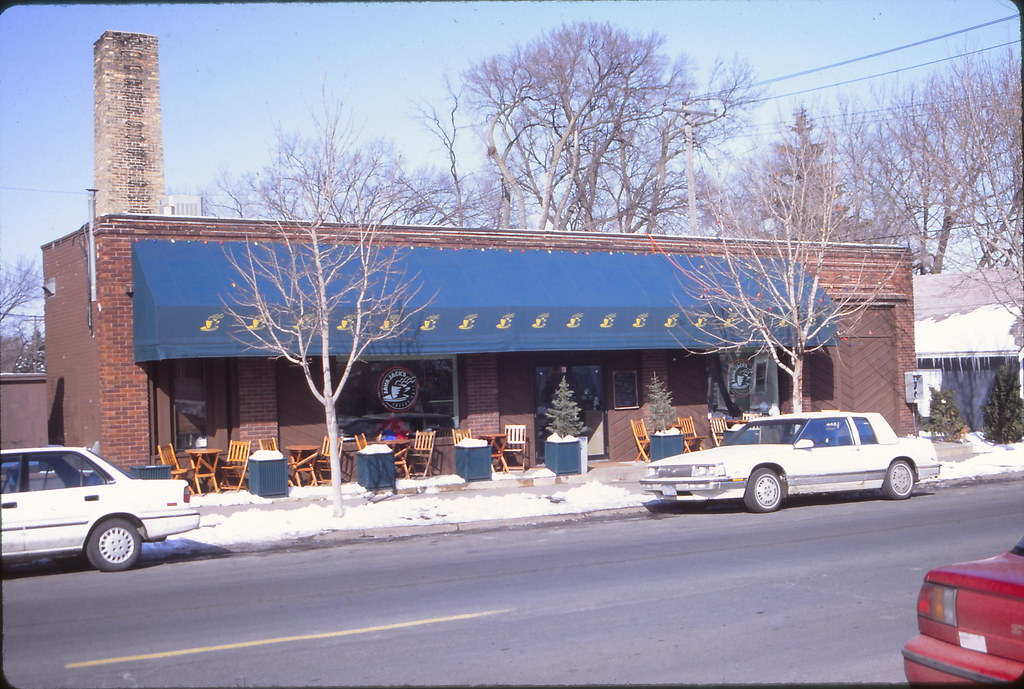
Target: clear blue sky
{"points": [[231, 72]]}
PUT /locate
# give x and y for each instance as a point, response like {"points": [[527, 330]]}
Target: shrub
{"points": [[1003, 413], [945, 420], [564, 413], [660, 412]]}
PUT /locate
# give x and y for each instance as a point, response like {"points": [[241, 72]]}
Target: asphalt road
{"points": [[823, 591]]}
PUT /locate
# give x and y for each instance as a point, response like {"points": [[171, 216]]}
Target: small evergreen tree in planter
{"points": [[665, 440], [945, 421], [562, 448], [1003, 413]]}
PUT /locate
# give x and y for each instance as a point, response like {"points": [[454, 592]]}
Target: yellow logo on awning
{"points": [[212, 323]]}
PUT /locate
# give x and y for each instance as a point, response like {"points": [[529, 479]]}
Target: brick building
{"points": [[139, 366]]}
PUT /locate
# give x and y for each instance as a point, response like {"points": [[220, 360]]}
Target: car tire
{"points": [[763, 492], [899, 481], [113, 546]]}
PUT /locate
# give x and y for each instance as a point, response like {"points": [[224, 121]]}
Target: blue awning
{"points": [[489, 300]]}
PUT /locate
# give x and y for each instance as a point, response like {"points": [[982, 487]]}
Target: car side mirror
{"points": [[803, 444]]}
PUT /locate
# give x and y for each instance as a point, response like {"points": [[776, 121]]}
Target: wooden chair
{"points": [[718, 426], [751, 415], [233, 474], [642, 440], [303, 465], [515, 444], [402, 463], [691, 441], [460, 434], [421, 453], [322, 463], [268, 444], [169, 458]]}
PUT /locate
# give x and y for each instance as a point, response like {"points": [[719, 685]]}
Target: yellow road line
{"points": [[283, 639]]}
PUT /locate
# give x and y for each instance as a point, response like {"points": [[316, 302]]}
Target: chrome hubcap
{"points": [[902, 480], [766, 491], [116, 545]]}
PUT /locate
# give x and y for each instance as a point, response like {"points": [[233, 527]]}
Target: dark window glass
{"points": [[828, 432], [867, 433], [398, 397], [764, 433], [10, 474]]}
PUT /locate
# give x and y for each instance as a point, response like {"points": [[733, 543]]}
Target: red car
{"points": [[971, 619]]}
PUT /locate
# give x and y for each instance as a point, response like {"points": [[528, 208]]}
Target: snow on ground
{"points": [[257, 525]]}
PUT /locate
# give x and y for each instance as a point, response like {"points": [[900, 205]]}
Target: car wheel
{"points": [[113, 546], [899, 481], [764, 491]]}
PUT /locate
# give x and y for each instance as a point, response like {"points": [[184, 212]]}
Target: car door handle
{"points": [[92, 498], [9, 505]]}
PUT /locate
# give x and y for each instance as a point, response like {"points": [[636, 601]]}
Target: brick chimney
{"points": [[128, 151]]}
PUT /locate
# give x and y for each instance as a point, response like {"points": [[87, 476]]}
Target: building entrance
{"points": [[587, 385]]}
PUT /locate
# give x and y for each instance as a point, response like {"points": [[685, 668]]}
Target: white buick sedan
{"points": [[765, 460], [60, 501]]}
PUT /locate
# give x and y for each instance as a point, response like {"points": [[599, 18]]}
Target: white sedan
{"points": [[61, 501], [765, 460]]}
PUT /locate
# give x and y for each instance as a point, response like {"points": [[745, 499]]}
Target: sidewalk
{"points": [[241, 522]]}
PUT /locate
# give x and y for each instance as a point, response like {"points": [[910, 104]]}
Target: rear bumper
{"points": [[162, 526], [928, 660]]}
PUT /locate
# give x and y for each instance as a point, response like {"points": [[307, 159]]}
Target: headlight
{"points": [[708, 470], [652, 472]]}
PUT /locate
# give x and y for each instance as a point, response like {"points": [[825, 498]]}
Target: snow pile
{"points": [[260, 525]]}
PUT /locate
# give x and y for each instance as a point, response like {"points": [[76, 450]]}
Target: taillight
{"points": [[188, 495], [937, 602]]}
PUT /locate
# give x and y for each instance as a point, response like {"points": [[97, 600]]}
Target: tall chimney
{"points": [[128, 150]]}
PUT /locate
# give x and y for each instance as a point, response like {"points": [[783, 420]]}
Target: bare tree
{"points": [[317, 290], [938, 164], [585, 128], [20, 290], [782, 227]]}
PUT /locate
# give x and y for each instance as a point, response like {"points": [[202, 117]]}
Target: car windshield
{"points": [[777, 432]]}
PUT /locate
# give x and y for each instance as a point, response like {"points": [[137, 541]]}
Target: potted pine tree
{"points": [[665, 440], [562, 447]]}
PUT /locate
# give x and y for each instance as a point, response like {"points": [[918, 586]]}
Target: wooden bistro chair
{"points": [[718, 426], [691, 441], [642, 439], [515, 445], [303, 465], [268, 444], [421, 453], [460, 434], [322, 463], [169, 458], [233, 474]]}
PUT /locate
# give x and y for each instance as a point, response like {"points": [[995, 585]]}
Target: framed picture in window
{"points": [[624, 390]]}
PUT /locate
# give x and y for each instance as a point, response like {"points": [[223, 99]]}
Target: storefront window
{"points": [[189, 403], [743, 382], [398, 397]]}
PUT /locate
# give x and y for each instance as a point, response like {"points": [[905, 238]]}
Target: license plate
{"points": [[668, 490]]}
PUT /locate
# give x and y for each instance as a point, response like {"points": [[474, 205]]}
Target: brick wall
{"points": [[123, 385], [257, 399], [72, 378], [482, 393]]}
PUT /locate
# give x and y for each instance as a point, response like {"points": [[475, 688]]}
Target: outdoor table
{"points": [[497, 441], [298, 455], [204, 461]]}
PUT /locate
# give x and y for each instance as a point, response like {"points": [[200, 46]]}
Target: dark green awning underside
{"points": [[492, 300]]}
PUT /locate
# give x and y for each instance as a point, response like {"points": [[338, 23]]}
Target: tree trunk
{"points": [[796, 398]]}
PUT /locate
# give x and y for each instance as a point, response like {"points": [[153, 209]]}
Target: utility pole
{"points": [[690, 193]]}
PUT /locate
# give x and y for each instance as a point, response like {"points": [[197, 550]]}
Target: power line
{"points": [[883, 52], [885, 74]]}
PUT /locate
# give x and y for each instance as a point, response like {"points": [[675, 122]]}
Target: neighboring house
{"points": [[23, 417], [967, 327]]}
